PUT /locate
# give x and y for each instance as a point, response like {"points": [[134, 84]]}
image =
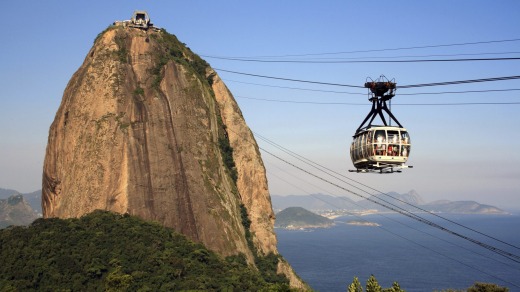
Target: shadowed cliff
{"points": [[146, 127]]}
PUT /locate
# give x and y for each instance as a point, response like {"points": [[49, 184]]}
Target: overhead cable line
{"points": [[297, 88], [389, 49], [460, 82], [414, 56], [368, 61], [401, 211], [370, 57], [394, 104], [461, 92], [289, 79], [328, 171], [359, 93], [379, 214], [357, 86], [408, 226]]}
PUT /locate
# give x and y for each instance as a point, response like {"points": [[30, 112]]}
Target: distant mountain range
{"points": [[320, 202]]}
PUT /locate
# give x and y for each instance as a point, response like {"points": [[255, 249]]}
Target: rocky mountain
{"points": [[320, 202], [15, 210], [297, 217], [6, 193], [146, 127], [34, 198]]}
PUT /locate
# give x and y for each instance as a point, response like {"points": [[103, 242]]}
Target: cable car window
{"points": [[353, 149], [380, 142], [393, 143], [356, 153], [405, 151], [405, 138], [362, 145], [366, 145], [369, 146]]}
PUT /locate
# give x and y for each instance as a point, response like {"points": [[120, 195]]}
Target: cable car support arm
{"points": [[381, 92]]}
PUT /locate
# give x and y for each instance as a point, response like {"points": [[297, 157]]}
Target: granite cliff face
{"points": [[146, 127]]}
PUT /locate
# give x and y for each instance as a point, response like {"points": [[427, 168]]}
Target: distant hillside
{"points": [[297, 217], [6, 193], [16, 211], [463, 207], [320, 202], [104, 251], [34, 199]]}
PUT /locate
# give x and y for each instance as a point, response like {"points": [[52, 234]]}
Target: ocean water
{"points": [[417, 256]]}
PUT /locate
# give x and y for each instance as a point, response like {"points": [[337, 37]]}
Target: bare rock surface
{"points": [[144, 128]]}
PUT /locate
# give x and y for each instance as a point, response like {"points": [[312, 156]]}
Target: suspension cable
{"points": [[496, 250], [356, 86], [320, 168]]}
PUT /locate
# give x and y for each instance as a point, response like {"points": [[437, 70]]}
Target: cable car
{"points": [[380, 148]]}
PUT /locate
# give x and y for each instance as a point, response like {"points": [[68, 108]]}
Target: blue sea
{"points": [[417, 256]]}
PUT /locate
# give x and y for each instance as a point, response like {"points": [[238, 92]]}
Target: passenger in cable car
{"points": [[405, 151], [391, 138], [404, 137], [381, 143]]}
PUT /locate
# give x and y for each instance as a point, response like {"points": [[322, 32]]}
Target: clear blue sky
{"points": [[459, 152]]}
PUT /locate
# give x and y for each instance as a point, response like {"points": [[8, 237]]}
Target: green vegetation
{"points": [[487, 287], [172, 49], [372, 286], [106, 251], [122, 53], [227, 157], [481, 287], [267, 265], [139, 91]]}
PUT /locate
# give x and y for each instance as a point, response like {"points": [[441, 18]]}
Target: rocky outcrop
{"points": [[15, 210], [251, 182], [146, 127]]}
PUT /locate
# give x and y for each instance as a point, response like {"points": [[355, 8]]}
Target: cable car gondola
{"points": [[380, 148]]}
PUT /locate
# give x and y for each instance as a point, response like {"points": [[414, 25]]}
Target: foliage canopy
{"points": [[107, 251]]}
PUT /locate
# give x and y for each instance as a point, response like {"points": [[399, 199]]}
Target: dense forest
{"points": [[106, 251]]}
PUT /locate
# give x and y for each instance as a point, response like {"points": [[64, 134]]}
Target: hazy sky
{"points": [[459, 152]]}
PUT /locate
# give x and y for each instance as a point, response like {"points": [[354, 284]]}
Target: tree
{"points": [[395, 288], [355, 286], [117, 280], [486, 287], [373, 285]]}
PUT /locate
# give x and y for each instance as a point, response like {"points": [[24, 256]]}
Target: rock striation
{"points": [[146, 127]]}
